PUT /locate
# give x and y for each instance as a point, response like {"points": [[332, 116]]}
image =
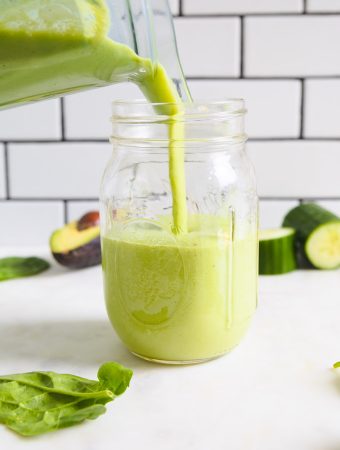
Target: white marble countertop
{"points": [[276, 391]]}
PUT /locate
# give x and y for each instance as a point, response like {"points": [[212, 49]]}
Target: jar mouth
{"points": [[141, 123], [142, 111]]}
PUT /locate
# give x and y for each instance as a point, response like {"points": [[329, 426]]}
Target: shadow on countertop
{"points": [[55, 343], [57, 269]]}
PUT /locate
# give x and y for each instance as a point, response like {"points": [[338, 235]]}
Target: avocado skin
{"points": [[84, 256]]}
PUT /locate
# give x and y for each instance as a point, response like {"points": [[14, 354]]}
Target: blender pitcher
{"points": [[50, 49]]}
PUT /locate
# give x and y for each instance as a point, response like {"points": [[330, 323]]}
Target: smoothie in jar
{"points": [[179, 299]]}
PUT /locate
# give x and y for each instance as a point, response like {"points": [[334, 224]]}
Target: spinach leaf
{"points": [[39, 402], [17, 267]]}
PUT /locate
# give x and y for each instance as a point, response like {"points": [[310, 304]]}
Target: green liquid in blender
{"points": [[60, 47]]}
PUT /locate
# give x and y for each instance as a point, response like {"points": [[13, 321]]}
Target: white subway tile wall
{"points": [[87, 115], [29, 222], [282, 56], [273, 105], [322, 109], [298, 169], [67, 170], [209, 47], [296, 46], [242, 6], [36, 121], [273, 212], [323, 5], [174, 6]]}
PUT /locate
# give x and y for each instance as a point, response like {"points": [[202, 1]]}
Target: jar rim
{"points": [[200, 101], [143, 111], [212, 122]]}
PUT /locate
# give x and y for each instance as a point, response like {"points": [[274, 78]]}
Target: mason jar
{"points": [[179, 230]]}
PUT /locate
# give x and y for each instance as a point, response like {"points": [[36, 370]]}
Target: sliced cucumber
{"points": [[317, 235], [323, 246], [276, 248]]}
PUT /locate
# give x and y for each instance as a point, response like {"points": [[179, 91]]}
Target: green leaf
{"points": [[17, 267], [114, 377], [336, 365], [39, 402]]}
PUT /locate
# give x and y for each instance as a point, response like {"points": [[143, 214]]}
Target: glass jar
{"points": [[179, 294], [52, 48]]}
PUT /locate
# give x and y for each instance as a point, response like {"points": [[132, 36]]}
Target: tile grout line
{"points": [[95, 199], [7, 180], [65, 212], [180, 8], [302, 109], [51, 199], [265, 77], [299, 198], [304, 10], [105, 141], [242, 36], [62, 119], [53, 141], [261, 14]]}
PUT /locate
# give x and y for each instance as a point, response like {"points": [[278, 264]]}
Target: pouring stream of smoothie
{"points": [[159, 88]]}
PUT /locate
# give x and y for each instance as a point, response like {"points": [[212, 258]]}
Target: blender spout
{"points": [[153, 37]]}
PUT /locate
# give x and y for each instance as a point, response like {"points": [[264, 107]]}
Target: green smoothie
{"points": [[179, 298]]}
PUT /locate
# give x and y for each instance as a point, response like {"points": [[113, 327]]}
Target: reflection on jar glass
{"points": [[179, 230]]}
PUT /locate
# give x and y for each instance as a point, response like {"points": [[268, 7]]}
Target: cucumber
{"points": [[317, 235], [276, 248]]}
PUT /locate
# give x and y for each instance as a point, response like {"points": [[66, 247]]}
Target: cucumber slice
{"points": [[317, 235], [323, 246], [276, 249]]}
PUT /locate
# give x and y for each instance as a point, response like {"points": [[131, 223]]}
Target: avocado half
{"points": [[75, 246]]}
